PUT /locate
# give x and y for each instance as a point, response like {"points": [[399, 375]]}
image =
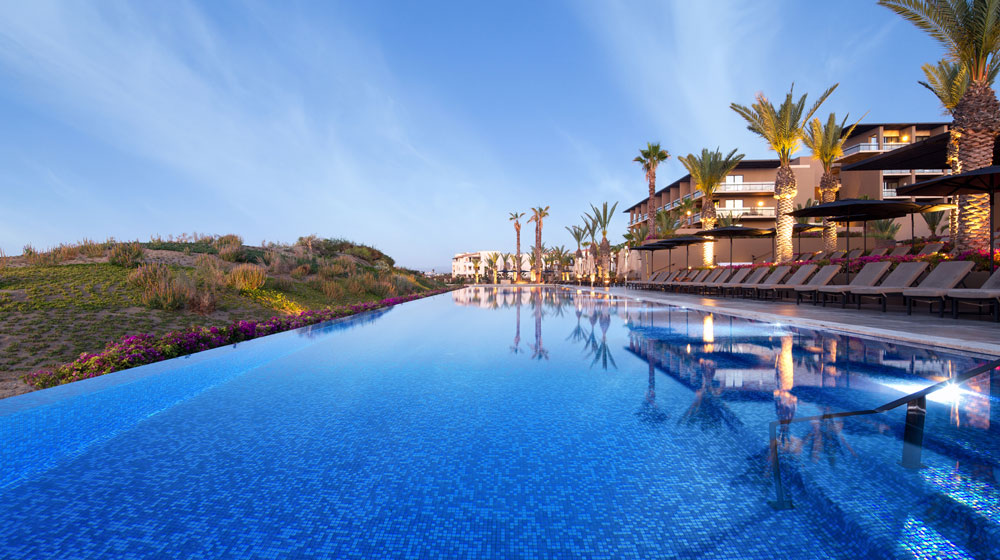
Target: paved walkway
{"points": [[970, 334]]}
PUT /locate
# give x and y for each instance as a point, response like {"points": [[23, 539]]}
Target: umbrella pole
{"points": [[864, 237], [731, 251], [800, 242], [687, 256], [993, 263], [913, 234], [849, 251]]}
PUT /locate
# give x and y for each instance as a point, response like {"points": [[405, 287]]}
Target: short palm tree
{"points": [[537, 215], [516, 218], [687, 208], [651, 158], [590, 230], [827, 145], [933, 221], [508, 261], [667, 224], [493, 261], [602, 217], [475, 265], [947, 81], [782, 129], [969, 30], [708, 170], [577, 234], [635, 237]]}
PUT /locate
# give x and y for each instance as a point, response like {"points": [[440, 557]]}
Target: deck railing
{"points": [[913, 431]]}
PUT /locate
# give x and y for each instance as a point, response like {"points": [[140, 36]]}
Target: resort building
{"points": [[467, 265], [870, 140]]}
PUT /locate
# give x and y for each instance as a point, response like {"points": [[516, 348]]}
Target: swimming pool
{"points": [[504, 423]]}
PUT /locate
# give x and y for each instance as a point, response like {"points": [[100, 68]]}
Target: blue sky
{"points": [[413, 126]]}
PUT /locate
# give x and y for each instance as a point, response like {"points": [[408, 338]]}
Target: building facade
{"points": [[466, 265]]}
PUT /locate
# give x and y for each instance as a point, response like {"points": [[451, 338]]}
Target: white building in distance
{"points": [[463, 264]]}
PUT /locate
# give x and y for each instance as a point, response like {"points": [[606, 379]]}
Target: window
{"points": [[730, 179]]}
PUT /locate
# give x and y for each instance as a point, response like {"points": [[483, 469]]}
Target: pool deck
{"points": [[977, 335]]}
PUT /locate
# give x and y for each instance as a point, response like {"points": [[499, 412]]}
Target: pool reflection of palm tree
{"points": [[577, 334], [538, 351], [649, 412], [826, 438], [516, 348]]}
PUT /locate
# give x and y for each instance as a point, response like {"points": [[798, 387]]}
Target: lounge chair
{"points": [[665, 278], [772, 279], [708, 279], [711, 284], [931, 248], [879, 252], [934, 288], [738, 276], [986, 295], [820, 279], [902, 277], [656, 278], [755, 278], [836, 255], [797, 279], [869, 275], [855, 253], [694, 276], [900, 251], [818, 255]]}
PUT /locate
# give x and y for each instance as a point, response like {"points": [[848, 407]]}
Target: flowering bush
{"points": [[141, 349]]}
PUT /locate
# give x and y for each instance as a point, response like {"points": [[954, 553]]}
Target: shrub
{"points": [[170, 293], [92, 249], [276, 262], [332, 289], [128, 255], [247, 277], [208, 270], [279, 283], [149, 275], [230, 247], [404, 284], [202, 302], [301, 271], [382, 288]]}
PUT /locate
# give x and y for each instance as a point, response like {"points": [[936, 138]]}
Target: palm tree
{"points": [[687, 208], [590, 230], [708, 171], [602, 217], [493, 261], [781, 128], [475, 265], [827, 145], [666, 224], [577, 234], [969, 30], [537, 215], [947, 81], [650, 159], [516, 218], [635, 237], [933, 221], [538, 351], [516, 347]]}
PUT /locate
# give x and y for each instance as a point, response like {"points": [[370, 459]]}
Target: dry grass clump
{"points": [[332, 289], [161, 287], [202, 302], [230, 247], [147, 275], [276, 262], [4, 260], [209, 272], [128, 255], [301, 271], [93, 249], [247, 277]]}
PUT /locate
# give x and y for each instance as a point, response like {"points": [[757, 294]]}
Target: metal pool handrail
{"points": [[913, 432]]}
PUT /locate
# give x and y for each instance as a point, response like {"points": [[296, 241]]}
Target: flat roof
{"points": [[745, 164], [865, 127], [926, 154]]}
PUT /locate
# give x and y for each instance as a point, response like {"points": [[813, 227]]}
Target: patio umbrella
{"points": [[733, 232], [684, 241], [853, 210], [979, 181], [798, 229], [658, 245]]}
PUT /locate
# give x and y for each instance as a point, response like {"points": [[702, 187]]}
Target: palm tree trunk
{"points": [[956, 167], [651, 213], [517, 229], [605, 258], [538, 251], [708, 220], [828, 187], [977, 120], [784, 192]]}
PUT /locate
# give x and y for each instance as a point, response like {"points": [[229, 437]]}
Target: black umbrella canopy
{"points": [[682, 240], [735, 231], [856, 207], [980, 181], [803, 228]]}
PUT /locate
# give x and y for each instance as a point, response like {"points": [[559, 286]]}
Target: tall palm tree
{"points": [[577, 234], [602, 217], [516, 218], [969, 30], [650, 159], [782, 129], [538, 214], [708, 170], [948, 80], [827, 145], [475, 265], [590, 230]]}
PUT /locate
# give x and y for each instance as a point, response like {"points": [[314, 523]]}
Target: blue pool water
{"points": [[505, 423]]}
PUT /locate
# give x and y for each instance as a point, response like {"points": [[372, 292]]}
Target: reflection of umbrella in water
{"points": [[733, 232], [979, 181]]}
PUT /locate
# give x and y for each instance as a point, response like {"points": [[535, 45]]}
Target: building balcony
{"points": [[861, 151], [895, 172], [931, 171], [746, 187], [744, 213]]}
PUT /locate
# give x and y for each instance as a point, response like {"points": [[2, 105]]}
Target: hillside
{"points": [[76, 298]]}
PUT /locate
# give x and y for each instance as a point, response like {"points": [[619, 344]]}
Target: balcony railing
{"points": [[751, 212], [888, 193], [873, 147], [931, 171], [895, 171], [746, 187]]}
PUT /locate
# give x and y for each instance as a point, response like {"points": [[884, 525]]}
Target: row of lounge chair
{"points": [[900, 251], [812, 283]]}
